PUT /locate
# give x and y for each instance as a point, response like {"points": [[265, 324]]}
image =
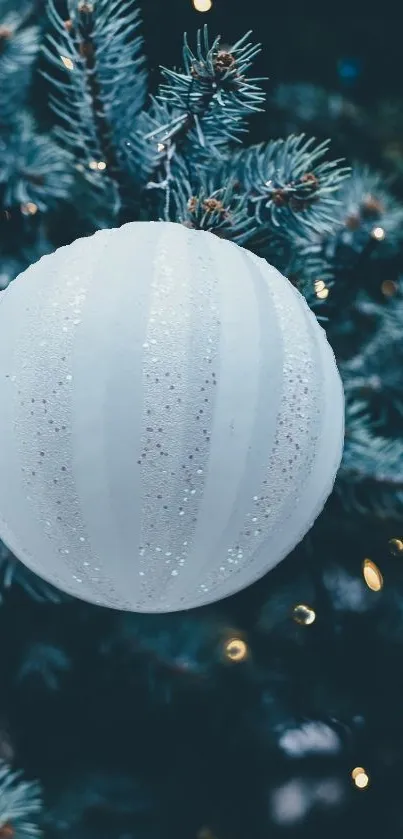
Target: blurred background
{"points": [[300, 44], [141, 728], [353, 51]]}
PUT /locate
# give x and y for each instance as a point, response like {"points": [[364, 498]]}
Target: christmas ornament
{"points": [[171, 420]]}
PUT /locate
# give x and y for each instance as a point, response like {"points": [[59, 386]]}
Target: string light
{"points": [[29, 209], [372, 575], [396, 547], [360, 777], [388, 288], [100, 165], [160, 147], [202, 5], [321, 290], [67, 62], [378, 233], [235, 649], [303, 614]]}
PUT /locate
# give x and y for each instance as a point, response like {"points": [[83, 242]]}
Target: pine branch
{"points": [[101, 90], [370, 479], [149, 160], [72, 102], [291, 189], [121, 72], [367, 233], [199, 111], [213, 93], [270, 218], [35, 173], [366, 205], [373, 375], [13, 572], [20, 805], [19, 44], [205, 201], [304, 265]]}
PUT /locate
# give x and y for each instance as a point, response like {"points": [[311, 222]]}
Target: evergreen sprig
{"points": [[291, 188], [19, 44], [373, 374], [282, 190], [20, 804], [204, 200], [365, 204], [198, 113], [370, 480], [13, 572], [98, 87], [34, 170], [213, 93]]}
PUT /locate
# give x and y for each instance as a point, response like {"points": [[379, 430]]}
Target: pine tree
{"points": [[277, 711]]}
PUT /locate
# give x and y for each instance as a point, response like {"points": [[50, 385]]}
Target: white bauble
{"points": [[171, 418]]}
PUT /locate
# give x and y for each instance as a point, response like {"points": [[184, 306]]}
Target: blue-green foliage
{"points": [[292, 187], [125, 716], [13, 572], [20, 804], [114, 154], [371, 475], [33, 168], [19, 44], [213, 94]]}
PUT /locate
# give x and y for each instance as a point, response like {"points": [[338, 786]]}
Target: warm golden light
{"points": [[236, 649], [202, 5], [303, 614], [388, 288], [67, 62], [372, 575], [99, 165], [378, 233], [396, 547], [323, 293], [360, 777], [29, 209], [319, 285]]}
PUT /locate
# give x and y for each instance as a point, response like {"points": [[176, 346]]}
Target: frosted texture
{"points": [[171, 418]]}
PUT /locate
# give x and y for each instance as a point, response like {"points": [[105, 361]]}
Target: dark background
{"points": [[299, 43]]}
